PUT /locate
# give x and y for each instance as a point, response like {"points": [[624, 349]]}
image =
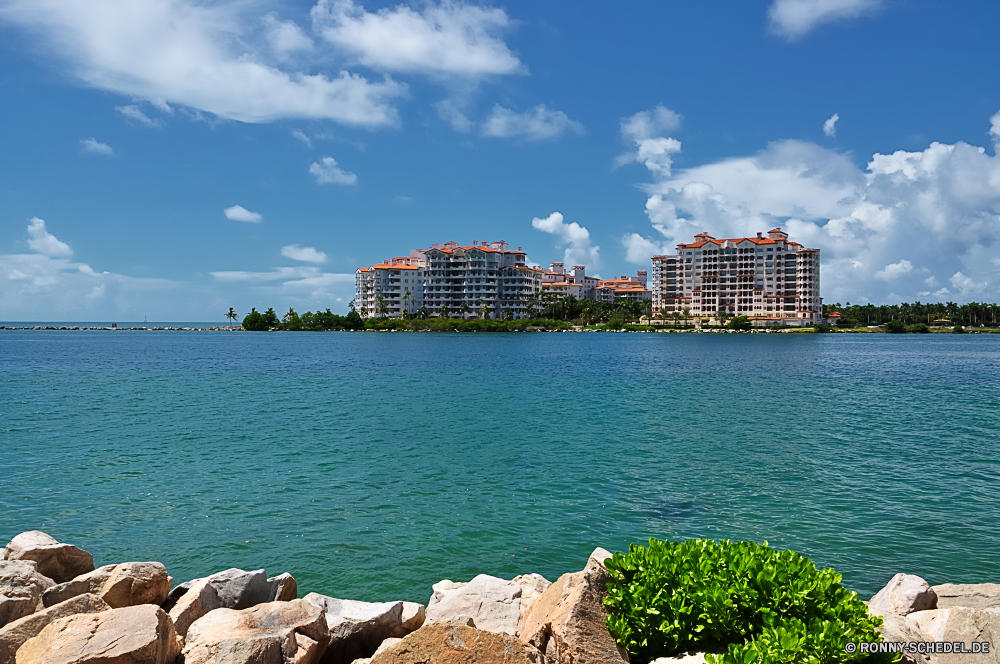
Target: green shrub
{"points": [[820, 327], [740, 323], [895, 327], [764, 606], [918, 328], [958, 329]]}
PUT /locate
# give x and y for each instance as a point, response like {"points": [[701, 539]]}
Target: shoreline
{"points": [[649, 330]]}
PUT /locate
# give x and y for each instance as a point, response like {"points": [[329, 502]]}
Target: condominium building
{"points": [[558, 282], [629, 288], [772, 280], [399, 282]]}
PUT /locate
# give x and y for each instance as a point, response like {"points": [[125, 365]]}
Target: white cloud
{"points": [[940, 205], [285, 37], [96, 147], [448, 111], [134, 114], [894, 270], [538, 124], [240, 213], [44, 242], [197, 55], [995, 130], [450, 38], [796, 18], [640, 250], [305, 254], [328, 172], [579, 250], [299, 135], [652, 149], [830, 126]]}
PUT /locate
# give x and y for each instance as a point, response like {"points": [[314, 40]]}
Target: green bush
{"points": [[895, 327], [740, 323], [918, 328], [764, 606], [958, 329], [820, 327]]}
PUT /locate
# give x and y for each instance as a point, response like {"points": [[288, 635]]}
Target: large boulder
{"points": [[17, 633], [972, 595], [125, 584], [21, 589], [59, 562], [237, 589], [133, 635], [443, 643], [442, 588], [282, 588], [194, 604], [357, 628], [963, 625], [567, 623], [271, 633], [904, 594], [897, 628], [494, 604], [411, 619]]}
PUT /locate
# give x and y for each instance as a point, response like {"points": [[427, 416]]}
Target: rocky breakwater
{"points": [[57, 608]]}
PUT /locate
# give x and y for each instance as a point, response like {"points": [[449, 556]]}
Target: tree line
{"points": [[973, 314]]}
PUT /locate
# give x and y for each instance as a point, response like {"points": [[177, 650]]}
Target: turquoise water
{"points": [[371, 465]]}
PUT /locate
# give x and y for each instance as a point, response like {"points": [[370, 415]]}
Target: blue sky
{"points": [[173, 158]]}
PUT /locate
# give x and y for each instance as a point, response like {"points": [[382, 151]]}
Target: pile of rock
{"points": [[913, 611], [56, 608]]}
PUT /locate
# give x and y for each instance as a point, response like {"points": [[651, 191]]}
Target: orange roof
{"points": [[388, 266], [362, 269]]}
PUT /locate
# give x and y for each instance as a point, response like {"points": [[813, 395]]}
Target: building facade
{"points": [[399, 283], [771, 280]]}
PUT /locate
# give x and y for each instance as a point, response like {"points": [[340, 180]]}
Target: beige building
{"points": [[399, 282], [630, 288], [772, 280]]}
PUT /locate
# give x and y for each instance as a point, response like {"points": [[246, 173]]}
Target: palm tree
{"points": [[232, 316], [508, 313], [485, 311], [381, 308], [687, 314], [443, 311], [290, 315], [464, 309], [406, 304], [423, 313]]}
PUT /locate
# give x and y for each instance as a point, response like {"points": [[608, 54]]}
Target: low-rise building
{"points": [[630, 288]]}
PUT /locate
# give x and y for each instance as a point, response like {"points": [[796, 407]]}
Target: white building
{"points": [[770, 279], [560, 283], [399, 282]]}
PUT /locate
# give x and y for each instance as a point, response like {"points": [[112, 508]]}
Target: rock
{"points": [[495, 605], [904, 594], [282, 588], [411, 619], [133, 635], [59, 562], [442, 588], [532, 587], [388, 643], [356, 628], [15, 634], [195, 603], [961, 624], [125, 584], [567, 623], [903, 628], [236, 588], [442, 643], [972, 595], [271, 633], [21, 589]]}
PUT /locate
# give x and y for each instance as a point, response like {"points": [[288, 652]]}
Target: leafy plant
{"points": [[895, 327], [918, 328], [958, 329], [740, 323], [762, 605]]}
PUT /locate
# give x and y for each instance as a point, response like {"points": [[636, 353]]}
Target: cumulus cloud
{"points": [[305, 254], [286, 37], [44, 242], [579, 250], [830, 126], [450, 38], [327, 172], [640, 250], [537, 124], [197, 55], [94, 146], [240, 213], [302, 284], [940, 205], [134, 115], [796, 18], [448, 111], [653, 150]]}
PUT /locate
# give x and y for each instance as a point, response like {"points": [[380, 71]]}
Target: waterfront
{"points": [[372, 465]]}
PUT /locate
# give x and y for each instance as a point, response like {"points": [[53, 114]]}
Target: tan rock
{"points": [[133, 635], [237, 589], [495, 604], [21, 589], [442, 643], [532, 587], [904, 629], [282, 588], [566, 624], [126, 584], [356, 628], [194, 604], [972, 595], [17, 633], [411, 619], [271, 633], [904, 594], [964, 625], [59, 562], [442, 588]]}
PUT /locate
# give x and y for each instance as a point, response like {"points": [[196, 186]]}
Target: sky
{"points": [[169, 159]]}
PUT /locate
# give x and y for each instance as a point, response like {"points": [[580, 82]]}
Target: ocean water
{"points": [[371, 465]]}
